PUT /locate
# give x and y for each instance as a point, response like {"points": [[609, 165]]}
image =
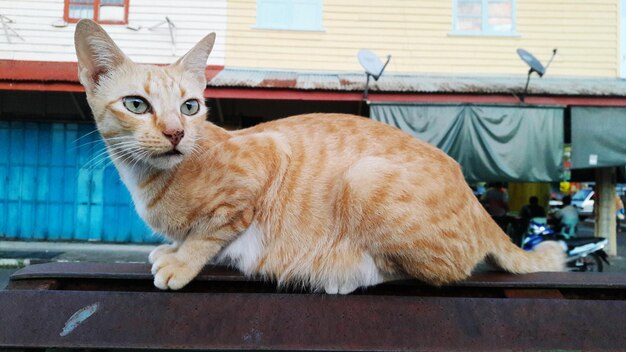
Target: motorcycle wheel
{"points": [[592, 263]]}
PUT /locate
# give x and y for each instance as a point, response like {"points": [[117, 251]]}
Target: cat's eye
{"points": [[136, 105], [190, 107]]}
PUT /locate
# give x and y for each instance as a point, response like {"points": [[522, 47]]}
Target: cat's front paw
{"points": [[172, 273], [156, 253]]}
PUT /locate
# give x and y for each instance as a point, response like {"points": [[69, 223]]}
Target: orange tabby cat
{"points": [[334, 202]]}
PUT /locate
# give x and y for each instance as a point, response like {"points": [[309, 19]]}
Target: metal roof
{"points": [[41, 74], [417, 83]]}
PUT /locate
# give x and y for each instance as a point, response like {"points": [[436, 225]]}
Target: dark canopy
{"points": [[598, 137], [492, 143]]}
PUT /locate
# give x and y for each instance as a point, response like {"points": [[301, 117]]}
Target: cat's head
{"points": [[146, 114]]}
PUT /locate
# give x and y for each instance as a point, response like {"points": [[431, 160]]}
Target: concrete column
{"points": [[604, 207]]}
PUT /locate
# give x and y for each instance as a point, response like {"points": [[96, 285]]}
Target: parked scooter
{"points": [[583, 253]]}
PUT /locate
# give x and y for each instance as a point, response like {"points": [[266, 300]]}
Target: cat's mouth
{"points": [[173, 152]]}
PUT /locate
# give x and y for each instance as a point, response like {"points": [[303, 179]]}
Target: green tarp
{"points": [[492, 143], [598, 137]]}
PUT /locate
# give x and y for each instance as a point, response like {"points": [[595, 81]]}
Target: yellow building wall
{"points": [[417, 35]]}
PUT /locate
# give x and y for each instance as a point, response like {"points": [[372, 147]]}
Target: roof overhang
{"points": [[235, 83], [51, 76]]}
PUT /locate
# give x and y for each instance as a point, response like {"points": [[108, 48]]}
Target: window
{"points": [[484, 17], [101, 11], [303, 15]]}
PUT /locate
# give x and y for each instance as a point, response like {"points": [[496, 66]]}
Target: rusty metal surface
{"points": [[548, 280], [98, 305], [129, 271], [533, 293], [395, 82], [305, 322]]}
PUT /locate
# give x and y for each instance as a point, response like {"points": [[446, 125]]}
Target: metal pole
{"points": [[605, 207], [526, 87]]}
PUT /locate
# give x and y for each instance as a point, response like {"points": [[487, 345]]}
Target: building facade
{"points": [[430, 36]]}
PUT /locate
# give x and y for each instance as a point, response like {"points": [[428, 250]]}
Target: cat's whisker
{"points": [[85, 135], [94, 161], [109, 139], [101, 153], [123, 156], [123, 143], [195, 154], [95, 142], [127, 158], [112, 154], [82, 145], [139, 158], [101, 163], [102, 158]]}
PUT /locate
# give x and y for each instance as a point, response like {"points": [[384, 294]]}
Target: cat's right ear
{"points": [[97, 53]]}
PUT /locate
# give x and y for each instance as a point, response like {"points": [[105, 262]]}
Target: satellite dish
{"points": [[372, 65], [535, 66], [531, 61]]}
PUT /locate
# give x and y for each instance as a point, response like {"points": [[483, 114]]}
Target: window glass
{"points": [[274, 14], [103, 11], [501, 16], [484, 16], [289, 14], [111, 10], [81, 9]]}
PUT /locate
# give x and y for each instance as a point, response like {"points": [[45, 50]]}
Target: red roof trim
{"points": [[41, 71], [285, 94], [46, 71], [275, 94], [500, 99], [42, 86]]}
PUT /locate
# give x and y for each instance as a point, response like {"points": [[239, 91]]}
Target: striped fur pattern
{"points": [[328, 201]]}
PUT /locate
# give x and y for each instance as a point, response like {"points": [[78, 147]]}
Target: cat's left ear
{"points": [[195, 59]]}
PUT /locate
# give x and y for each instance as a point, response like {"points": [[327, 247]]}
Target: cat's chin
{"points": [[166, 162]]}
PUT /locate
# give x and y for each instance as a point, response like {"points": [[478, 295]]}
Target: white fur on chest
{"points": [[131, 180], [245, 252]]}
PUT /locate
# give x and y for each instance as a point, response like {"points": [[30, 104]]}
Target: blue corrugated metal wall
{"points": [[52, 188]]}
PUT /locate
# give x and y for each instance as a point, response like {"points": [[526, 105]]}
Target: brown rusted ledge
{"points": [[130, 271], [258, 321], [92, 305]]}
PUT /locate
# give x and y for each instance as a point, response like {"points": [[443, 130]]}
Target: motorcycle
{"points": [[583, 253]]}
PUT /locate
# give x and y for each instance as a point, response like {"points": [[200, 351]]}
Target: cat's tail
{"points": [[546, 256]]}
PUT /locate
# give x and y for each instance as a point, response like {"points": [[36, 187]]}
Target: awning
{"points": [[492, 143], [598, 137]]}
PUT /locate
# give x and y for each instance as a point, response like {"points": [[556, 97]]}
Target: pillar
{"points": [[604, 207]]}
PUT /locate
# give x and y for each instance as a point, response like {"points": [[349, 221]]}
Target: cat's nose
{"points": [[174, 136]]}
